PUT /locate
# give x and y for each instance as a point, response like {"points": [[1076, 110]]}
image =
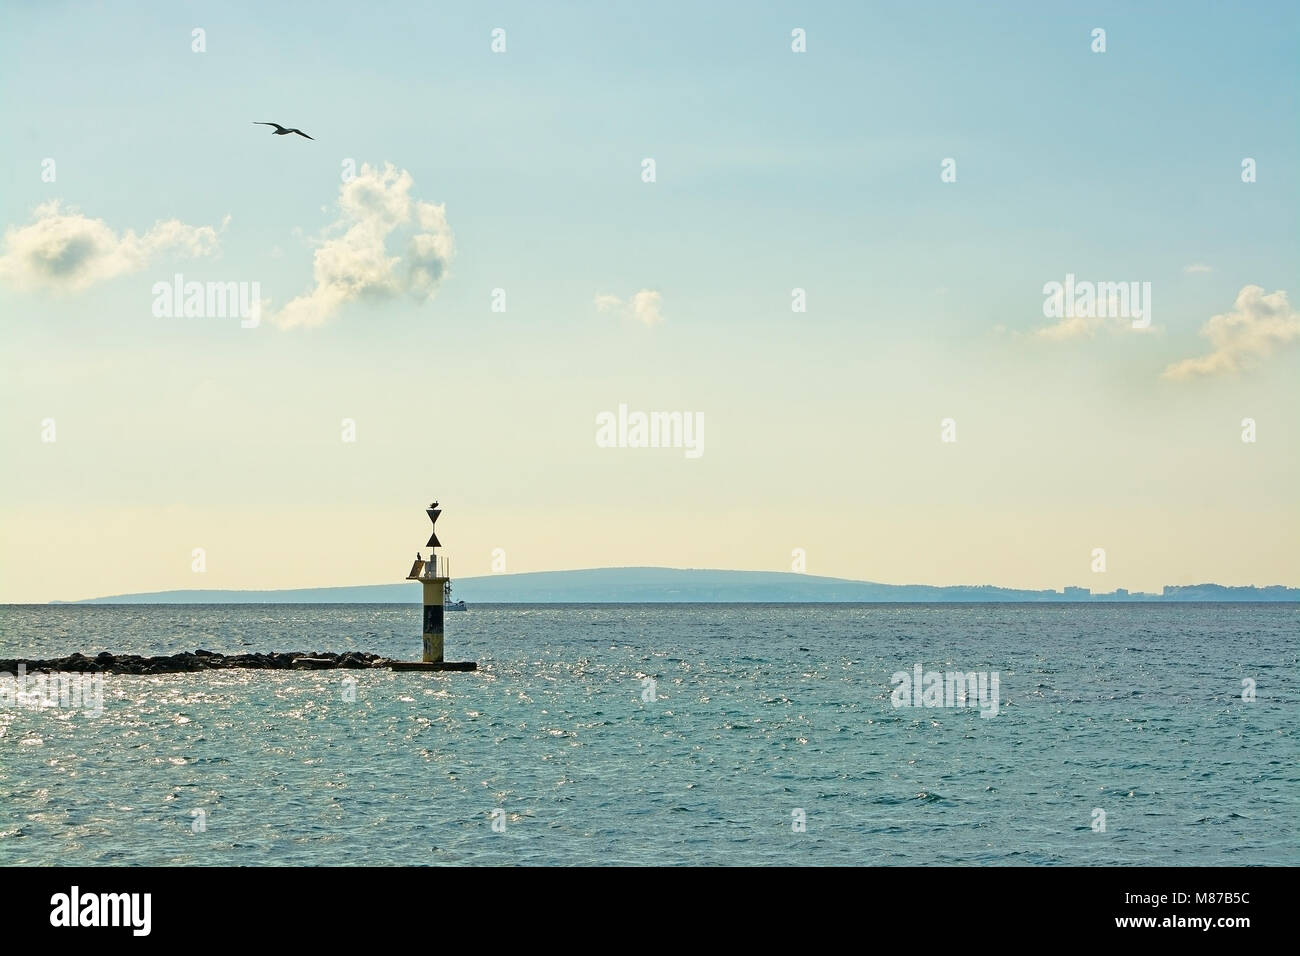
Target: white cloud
{"points": [[644, 306], [1196, 267], [64, 249], [1093, 307], [1257, 326], [429, 251], [354, 262], [1074, 327]]}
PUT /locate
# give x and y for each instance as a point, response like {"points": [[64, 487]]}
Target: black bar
{"points": [[967, 908]]}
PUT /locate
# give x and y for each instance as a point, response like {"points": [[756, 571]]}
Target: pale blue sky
{"points": [[775, 170]]}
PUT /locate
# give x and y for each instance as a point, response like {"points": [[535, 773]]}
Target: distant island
{"points": [[683, 585]]}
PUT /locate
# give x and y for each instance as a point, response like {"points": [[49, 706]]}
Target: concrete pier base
{"points": [[434, 665]]}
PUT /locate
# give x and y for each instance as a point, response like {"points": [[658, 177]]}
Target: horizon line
{"points": [[1081, 594]]}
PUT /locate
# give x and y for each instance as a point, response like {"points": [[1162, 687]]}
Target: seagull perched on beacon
{"points": [[281, 131]]}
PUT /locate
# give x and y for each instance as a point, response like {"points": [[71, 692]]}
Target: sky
{"points": [[471, 261]]}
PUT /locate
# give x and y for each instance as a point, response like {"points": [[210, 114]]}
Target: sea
{"points": [[667, 734]]}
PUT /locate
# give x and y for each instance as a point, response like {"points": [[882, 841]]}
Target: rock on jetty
{"points": [[106, 663]]}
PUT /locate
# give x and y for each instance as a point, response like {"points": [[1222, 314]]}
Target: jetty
{"points": [[189, 661], [434, 576]]}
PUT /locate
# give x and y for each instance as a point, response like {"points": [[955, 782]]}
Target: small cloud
{"points": [[354, 263], [1257, 326], [64, 249], [1066, 327], [428, 251], [1196, 268], [1074, 327], [644, 306], [1092, 307]]}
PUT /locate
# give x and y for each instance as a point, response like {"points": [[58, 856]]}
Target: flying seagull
{"points": [[280, 130]]}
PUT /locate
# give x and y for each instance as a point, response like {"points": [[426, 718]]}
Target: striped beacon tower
{"points": [[433, 574]]}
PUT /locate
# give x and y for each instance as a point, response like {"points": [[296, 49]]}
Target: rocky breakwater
{"points": [[187, 661]]}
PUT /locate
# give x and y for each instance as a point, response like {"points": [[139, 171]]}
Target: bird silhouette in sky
{"points": [[281, 131]]}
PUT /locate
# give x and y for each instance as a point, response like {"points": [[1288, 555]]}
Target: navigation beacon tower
{"points": [[434, 574]]}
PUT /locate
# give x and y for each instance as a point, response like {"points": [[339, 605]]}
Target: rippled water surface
{"points": [[1135, 710]]}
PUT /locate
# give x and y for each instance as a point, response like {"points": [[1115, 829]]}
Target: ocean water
{"points": [[555, 753]]}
